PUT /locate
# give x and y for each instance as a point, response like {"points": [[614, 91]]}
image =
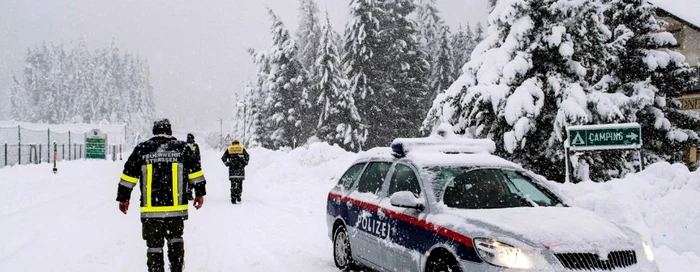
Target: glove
{"points": [[124, 206]]}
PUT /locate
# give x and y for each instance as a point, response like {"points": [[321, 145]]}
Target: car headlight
{"points": [[500, 254], [647, 251]]}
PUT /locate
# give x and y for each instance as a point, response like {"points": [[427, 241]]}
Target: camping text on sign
{"points": [[605, 137], [95, 145]]}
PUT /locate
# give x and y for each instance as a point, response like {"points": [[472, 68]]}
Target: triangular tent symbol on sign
{"points": [[578, 140]]}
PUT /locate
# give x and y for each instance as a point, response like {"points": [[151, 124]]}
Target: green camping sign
{"points": [[605, 137]]}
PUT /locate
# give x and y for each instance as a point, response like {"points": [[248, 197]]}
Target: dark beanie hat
{"points": [[162, 126], [190, 138]]}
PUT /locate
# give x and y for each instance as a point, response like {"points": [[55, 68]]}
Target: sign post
{"points": [[55, 156], [96, 145], [605, 137], [566, 161]]}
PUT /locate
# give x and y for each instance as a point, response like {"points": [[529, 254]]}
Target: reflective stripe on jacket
{"points": [[165, 168], [236, 158]]}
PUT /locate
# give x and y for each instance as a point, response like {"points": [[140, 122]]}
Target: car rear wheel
{"points": [[342, 252], [442, 261]]}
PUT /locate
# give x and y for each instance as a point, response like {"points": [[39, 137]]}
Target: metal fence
{"points": [[12, 154], [20, 145]]}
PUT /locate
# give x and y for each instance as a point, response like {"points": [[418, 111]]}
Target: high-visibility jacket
{"points": [[163, 167], [236, 158]]}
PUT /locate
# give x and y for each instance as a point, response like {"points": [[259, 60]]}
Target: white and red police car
{"points": [[444, 203]]}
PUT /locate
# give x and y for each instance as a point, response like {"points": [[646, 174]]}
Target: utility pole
{"points": [[244, 117], [245, 120], [221, 130]]}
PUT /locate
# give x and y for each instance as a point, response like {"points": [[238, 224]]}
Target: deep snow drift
{"points": [[70, 221]]}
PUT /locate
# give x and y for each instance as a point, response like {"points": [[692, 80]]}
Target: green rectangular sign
{"points": [[605, 137], [96, 146]]}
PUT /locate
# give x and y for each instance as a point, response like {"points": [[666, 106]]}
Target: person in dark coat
{"points": [[236, 158], [162, 167], [195, 148]]}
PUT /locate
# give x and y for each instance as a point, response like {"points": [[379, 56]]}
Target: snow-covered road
{"points": [[70, 221]]}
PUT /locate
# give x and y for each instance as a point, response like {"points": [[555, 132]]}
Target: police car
{"points": [[444, 203]]}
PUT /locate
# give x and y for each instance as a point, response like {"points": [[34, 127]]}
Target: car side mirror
{"points": [[406, 199]]}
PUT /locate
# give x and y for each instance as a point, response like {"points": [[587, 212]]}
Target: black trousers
{"points": [[236, 188], [156, 232]]}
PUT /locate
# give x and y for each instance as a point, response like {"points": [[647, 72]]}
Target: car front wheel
{"points": [[342, 253], [442, 262]]}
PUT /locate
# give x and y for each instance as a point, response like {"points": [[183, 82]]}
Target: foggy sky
{"points": [[196, 49]]}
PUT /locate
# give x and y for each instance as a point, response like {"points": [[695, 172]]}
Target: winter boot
{"points": [[176, 255], [155, 260]]}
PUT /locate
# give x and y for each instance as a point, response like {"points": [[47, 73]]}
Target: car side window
{"points": [[473, 190], [348, 179], [373, 177], [404, 179], [525, 186]]}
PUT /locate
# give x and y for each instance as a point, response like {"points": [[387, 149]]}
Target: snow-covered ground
{"points": [[70, 221]]}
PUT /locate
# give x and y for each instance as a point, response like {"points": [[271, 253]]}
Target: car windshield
{"points": [[470, 188]]}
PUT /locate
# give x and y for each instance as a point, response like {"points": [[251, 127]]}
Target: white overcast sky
{"points": [[196, 49]]}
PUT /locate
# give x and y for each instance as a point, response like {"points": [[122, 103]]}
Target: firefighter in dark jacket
{"points": [[236, 158], [195, 148], [163, 168]]}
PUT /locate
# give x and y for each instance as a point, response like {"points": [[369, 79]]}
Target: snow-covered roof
{"points": [[687, 10]]}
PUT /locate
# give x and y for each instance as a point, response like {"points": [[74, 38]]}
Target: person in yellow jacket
{"points": [[236, 158], [163, 168]]}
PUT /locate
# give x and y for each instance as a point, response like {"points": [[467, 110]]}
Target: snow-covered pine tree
{"points": [[308, 38], [459, 44], [83, 82], [247, 106], [479, 32], [339, 121], [492, 5], [143, 103], [259, 96], [37, 74], [645, 79], [525, 82], [60, 87], [64, 90], [362, 59], [443, 66], [287, 103], [308, 34], [444, 63], [402, 102], [20, 107], [429, 28], [446, 74], [118, 97], [339, 43]]}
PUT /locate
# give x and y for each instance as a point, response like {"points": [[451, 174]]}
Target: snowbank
{"points": [[660, 202]]}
